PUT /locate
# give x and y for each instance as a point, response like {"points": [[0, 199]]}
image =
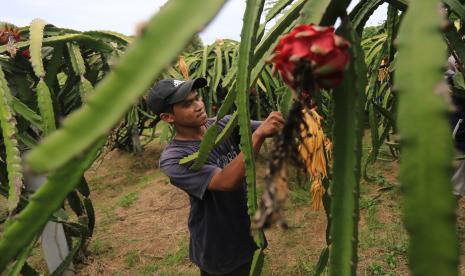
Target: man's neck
{"points": [[189, 133]]}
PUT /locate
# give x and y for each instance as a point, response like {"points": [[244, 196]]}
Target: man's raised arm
{"points": [[232, 175]]}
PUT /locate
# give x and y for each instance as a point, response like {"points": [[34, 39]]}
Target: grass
{"points": [[170, 260], [149, 269], [380, 180], [131, 258], [127, 200], [130, 177], [299, 189], [381, 229], [382, 238], [372, 216], [391, 259], [176, 257], [375, 269], [305, 264], [99, 247], [299, 196], [108, 218], [144, 180]]}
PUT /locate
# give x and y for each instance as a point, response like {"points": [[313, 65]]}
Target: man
{"points": [[457, 121], [219, 226]]}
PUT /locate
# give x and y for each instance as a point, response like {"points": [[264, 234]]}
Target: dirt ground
{"points": [[142, 223], [141, 226]]}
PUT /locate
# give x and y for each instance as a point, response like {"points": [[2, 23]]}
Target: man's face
{"points": [[190, 112]]}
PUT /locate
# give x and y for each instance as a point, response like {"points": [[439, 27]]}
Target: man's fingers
{"points": [[274, 123], [279, 119], [277, 116], [279, 125], [276, 113]]}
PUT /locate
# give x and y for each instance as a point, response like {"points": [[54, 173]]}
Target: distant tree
{"points": [[371, 31], [195, 44]]}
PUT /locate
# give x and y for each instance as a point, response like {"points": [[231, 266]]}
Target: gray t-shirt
{"points": [[219, 225]]}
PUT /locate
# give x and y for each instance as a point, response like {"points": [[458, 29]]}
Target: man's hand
{"points": [[271, 126]]}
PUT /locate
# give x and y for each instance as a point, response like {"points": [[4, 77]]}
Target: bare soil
{"points": [[141, 226], [150, 236]]}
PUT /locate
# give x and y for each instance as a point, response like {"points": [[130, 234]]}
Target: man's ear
{"points": [[167, 117]]}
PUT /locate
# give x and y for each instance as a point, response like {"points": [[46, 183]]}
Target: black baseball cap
{"points": [[170, 91]]}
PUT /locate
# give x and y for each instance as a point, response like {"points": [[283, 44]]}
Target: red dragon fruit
{"points": [[311, 57]]}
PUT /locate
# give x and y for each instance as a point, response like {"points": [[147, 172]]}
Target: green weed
{"points": [[381, 181], [145, 180], [128, 199], [367, 238], [372, 217], [375, 269], [176, 257], [149, 269], [391, 259], [131, 258], [129, 177], [299, 196], [108, 218], [99, 247], [305, 265], [170, 260]]}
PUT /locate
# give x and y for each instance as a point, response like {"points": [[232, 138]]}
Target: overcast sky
{"points": [[122, 16]]}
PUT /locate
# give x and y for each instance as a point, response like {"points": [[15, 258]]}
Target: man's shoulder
{"points": [[176, 150], [221, 122]]}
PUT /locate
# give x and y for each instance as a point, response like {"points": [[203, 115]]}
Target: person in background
{"points": [[457, 122]]}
